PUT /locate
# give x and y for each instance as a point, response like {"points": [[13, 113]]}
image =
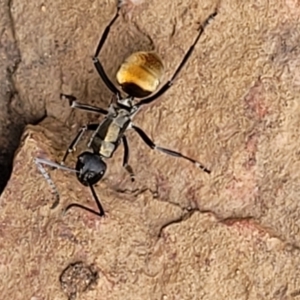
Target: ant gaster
{"points": [[139, 76]]}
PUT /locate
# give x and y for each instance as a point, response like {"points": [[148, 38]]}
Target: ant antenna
{"points": [[101, 210]]}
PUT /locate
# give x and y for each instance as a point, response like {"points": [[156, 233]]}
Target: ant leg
{"points": [[74, 104], [166, 86], [150, 143], [126, 158], [77, 138], [101, 210], [96, 61]]}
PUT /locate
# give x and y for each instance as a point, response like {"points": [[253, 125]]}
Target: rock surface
{"points": [[175, 233]]}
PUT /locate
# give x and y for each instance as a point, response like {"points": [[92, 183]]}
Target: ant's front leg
{"points": [[72, 146]]}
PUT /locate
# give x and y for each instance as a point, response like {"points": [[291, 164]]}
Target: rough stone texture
{"points": [[176, 233], [11, 123]]}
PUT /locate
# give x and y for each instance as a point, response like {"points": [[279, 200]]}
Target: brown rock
{"points": [[176, 233]]}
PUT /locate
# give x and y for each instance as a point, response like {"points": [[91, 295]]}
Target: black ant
{"points": [[139, 76]]}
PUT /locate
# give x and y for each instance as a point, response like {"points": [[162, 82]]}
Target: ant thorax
{"points": [[139, 76], [125, 102]]}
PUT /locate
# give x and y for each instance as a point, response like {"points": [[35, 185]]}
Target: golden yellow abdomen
{"points": [[140, 74]]}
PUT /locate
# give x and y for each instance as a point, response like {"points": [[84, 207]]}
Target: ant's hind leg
{"points": [[97, 62], [167, 85]]}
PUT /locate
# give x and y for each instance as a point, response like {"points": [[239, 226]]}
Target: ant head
{"points": [[90, 167]]}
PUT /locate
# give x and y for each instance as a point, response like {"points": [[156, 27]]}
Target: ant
{"points": [[139, 76]]}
